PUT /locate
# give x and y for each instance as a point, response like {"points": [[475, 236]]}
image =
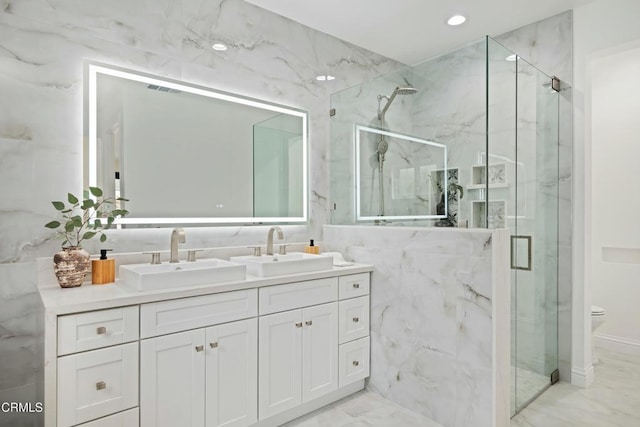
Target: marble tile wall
{"points": [[452, 111], [433, 318], [42, 46]]}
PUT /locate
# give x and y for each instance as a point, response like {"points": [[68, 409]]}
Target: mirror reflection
{"points": [[408, 180], [183, 153]]}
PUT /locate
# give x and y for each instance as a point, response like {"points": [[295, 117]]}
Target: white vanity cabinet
{"points": [[298, 357], [256, 353], [205, 376]]}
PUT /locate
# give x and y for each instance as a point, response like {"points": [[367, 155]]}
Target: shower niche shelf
{"points": [[497, 214], [497, 176]]}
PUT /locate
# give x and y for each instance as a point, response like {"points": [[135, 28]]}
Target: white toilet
{"points": [[597, 319]]}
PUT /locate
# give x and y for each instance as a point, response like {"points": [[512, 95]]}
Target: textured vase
{"points": [[71, 266]]}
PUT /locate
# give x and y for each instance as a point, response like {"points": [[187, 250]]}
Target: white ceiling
{"points": [[410, 31]]}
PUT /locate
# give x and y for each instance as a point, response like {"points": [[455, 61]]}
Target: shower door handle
{"points": [[521, 253]]}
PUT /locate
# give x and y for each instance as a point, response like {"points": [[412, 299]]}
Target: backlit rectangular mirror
{"points": [[399, 177], [187, 154]]}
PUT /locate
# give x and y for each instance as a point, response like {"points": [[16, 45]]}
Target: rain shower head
{"points": [[406, 90]]}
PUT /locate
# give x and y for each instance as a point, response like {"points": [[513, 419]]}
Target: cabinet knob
{"points": [[356, 285], [101, 330], [101, 385], [308, 323], [356, 363], [199, 347], [213, 344], [356, 319], [298, 324]]}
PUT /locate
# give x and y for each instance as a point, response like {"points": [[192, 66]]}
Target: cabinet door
{"points": [[172, 381], [319, 351], [280, 362], [232, 374]]}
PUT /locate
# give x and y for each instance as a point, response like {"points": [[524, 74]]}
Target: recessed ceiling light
{"points": [[219, 46], [456, 20], [512, 58], [325, 77]]}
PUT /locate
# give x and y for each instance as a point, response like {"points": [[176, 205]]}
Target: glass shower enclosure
{"points": [[467, 139]]}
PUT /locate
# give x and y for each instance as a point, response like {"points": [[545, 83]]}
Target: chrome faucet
{"points": [[270, 238], [177, 236]]}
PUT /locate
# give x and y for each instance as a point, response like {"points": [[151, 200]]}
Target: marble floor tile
{"points": [[612, 400], [363, 409]]}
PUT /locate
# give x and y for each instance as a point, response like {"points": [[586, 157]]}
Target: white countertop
{"points": [[89, 297]]}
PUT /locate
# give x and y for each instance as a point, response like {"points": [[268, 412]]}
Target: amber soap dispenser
{"points": [[312, 248], [103, 270]]}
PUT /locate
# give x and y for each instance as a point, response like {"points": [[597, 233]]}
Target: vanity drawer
{"points": [[88, 331], [97, 383], [166, 317], [355, 285], [278, 298], [130, 418], [353, 361], [353, 319]]}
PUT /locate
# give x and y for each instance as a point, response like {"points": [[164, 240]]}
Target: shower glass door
{"points": [[535, 231], [522, 187]]}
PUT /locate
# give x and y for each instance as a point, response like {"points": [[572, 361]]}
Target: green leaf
{"points": [[88, 235], [95, 191], [103, 238], [88, 203], [69, 227], [53, 224], [97, 224], [72, 199], [58, 205], [65, 242], [66, 211], [110, 220], [122, 199], [77, 221]]}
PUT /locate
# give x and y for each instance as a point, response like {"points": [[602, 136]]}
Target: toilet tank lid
{"points": [[597, 310]]}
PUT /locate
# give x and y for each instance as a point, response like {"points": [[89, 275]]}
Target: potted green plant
{"points": [[81, 220], [453, 189]]}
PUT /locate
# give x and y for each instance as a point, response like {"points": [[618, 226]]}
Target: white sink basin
{"points": [[276, 265], [146, 277]]}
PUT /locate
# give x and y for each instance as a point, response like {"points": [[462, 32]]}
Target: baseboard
{"points": [[617, 344], [582, 377]]}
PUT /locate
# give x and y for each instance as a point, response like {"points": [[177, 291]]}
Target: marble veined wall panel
{"points": [[42, 46], [432, 317]]}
